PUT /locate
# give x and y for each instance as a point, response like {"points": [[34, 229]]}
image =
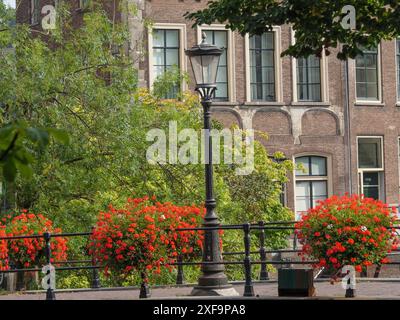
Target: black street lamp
{"points": [[204, 59]]}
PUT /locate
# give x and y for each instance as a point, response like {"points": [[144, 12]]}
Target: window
{"points": [[35, 12], [220, 39], [3, 197], [370, 167], [262, 67], [367, 75], [311, 182], [309, 79], [84, 4], [369, 153], [399, 171], [398, 68], [166, 54]]}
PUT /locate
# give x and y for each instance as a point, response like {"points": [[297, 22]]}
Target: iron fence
{"points": [[247, 262]]}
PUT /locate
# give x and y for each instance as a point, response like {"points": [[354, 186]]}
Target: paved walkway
{"points": [[376, 290]]}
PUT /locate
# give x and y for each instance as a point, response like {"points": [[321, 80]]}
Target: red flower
{"points": [[333, 260], [360, 231], [149, 235]]}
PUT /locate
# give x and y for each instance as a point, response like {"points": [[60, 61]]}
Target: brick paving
{"points": [[365, 290]]}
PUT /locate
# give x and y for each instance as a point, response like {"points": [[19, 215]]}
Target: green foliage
{"points": [[15, 154], [169, 82], [16, 137], [316, 23], [70, 79], [73, 280]]}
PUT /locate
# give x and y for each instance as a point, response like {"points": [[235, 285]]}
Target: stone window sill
{"points": [[368, 104], [263, 104], [310, 104]]}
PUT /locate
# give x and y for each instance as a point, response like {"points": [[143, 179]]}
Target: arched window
{"points": [[311, 182]]}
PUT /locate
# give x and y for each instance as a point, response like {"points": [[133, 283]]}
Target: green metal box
{"points": [[296, 282]]}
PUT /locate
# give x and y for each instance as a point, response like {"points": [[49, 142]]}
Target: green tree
{"points": [[16, 136], [316, 23], [84, 81]]}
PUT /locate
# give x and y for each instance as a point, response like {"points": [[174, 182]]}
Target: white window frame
{"points": [[327, 178], [397, 58], [381, 170], [379, 67], [230, 57], [278, 67], [398, 165], [182, 47], [33, 15], [82, 4], [324, 78]]}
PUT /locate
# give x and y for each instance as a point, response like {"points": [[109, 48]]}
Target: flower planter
{"points": [[296, 283]]}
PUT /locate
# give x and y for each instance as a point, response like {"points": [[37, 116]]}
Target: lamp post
{"points": [[204, 59]]}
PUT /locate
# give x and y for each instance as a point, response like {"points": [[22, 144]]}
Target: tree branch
{"points": [[10, 147], [83, 158]]}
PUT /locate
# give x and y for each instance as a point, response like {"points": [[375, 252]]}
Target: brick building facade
{"points": [[340, 119]]}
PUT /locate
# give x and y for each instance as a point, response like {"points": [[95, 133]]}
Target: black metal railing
{"points": [[262, 252], [50, 294], [247, 262]]}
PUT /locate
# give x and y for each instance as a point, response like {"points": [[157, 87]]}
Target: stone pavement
{"points": [[267, 290]]}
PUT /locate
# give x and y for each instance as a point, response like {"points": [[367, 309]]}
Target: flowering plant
{"points": [[142, 236], [29, 251], [348, 230], [3, 250]]}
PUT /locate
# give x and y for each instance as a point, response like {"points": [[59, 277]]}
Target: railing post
{"points": [[377, 271], [263, 272], [295, 241], [248, 287], [144, 287], [95, 272], [180, 277], [50, 294]]}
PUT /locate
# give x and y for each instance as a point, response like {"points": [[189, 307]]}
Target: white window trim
{"points": [[182, 47], [379, 66], [382, 154], [230, 57], [327, 178], [398, 165], [324, 77], [33, 8], [397, 71], [381, 186], [82, 5], [361, 171], [278, 66]]}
